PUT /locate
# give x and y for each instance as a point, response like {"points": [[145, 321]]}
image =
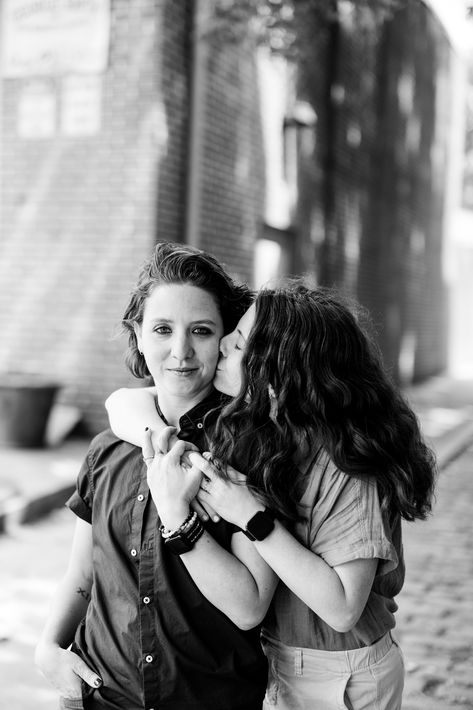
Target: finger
{"points": [[200, 510], [206, 467], [176, 451], [147, 448], [84, 672], [164, 437], [206, 507]]}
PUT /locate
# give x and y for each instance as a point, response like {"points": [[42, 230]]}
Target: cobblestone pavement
{"points": [[435, 619]]}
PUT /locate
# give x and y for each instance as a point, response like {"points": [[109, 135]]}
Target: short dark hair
{"points": [[173, 263]]}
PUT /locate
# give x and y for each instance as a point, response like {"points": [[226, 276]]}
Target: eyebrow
{"points": [[208, 321], [240, 333]]}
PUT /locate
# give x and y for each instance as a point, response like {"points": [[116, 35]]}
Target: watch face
{"points": [[178, 544], [260, 525]]}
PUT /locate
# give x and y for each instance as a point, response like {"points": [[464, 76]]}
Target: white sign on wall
{"points": [[37, 110], [81, 102], [53, 37]]}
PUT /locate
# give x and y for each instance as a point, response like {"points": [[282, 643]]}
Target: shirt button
{"points": [[200, 425], [148, 659], [133, 552], [141, 497], [146, 600]]}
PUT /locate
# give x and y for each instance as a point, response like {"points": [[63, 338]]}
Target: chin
{"points": [[224, 387]]}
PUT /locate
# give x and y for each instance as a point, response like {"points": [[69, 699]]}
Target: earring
{"points": [[273, 404]]}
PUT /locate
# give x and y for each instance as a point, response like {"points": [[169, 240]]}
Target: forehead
{"points": [[246, 322], [181, 301]]}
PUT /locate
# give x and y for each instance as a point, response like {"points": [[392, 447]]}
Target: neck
{"points": [[174, 407]]}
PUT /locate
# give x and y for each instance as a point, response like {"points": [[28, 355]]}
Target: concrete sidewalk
{"points": [[35, 481]]}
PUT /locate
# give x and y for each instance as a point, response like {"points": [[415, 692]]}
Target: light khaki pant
{"points": [[370, 678]]}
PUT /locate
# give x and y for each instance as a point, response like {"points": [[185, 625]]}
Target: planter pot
{"points": [[25, 405]]}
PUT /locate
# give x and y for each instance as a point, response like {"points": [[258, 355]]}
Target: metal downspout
{"points": [[198, 85]]}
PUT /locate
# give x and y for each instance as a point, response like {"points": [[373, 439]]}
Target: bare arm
{"points": [[337, 594], [130, 410], [238, 582], [61, 667]]}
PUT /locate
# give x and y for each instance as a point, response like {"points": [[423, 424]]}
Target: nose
{"points": [[223, 346], [181, 347]]}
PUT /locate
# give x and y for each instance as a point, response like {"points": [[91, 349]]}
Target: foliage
{"points": [[280, 24]]}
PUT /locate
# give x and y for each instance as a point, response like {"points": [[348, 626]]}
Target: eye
{"points": [[162, 329], [202, 330]]}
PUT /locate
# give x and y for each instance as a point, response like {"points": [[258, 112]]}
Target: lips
{"points": [[182, 370]]}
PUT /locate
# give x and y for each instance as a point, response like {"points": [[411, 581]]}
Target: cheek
{"points": [[209, 354]]}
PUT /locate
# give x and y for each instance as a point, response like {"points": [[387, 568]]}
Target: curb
{"points": [[18, 510], [453, 444]]}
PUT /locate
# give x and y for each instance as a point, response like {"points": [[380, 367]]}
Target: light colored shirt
{"points": [[343, 521]]}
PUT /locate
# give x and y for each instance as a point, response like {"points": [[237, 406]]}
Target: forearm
{"points": [[228, 583], [311, 579], [68, 608], [130, 411]]}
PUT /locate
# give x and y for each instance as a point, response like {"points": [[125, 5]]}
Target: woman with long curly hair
{"points": [[317, 459]]}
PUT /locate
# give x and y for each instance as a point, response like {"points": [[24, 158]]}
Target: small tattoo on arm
{"points": [[84, 594]]}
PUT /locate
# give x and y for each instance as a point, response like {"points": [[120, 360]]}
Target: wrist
{"points": [[173, 518], [260, 526], [249, 513]]}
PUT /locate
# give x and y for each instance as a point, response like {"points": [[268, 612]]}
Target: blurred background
{"points": [[320, 138], [327, 138]]}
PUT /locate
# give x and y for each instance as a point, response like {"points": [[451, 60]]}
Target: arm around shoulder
{"points": [[130, 411]]}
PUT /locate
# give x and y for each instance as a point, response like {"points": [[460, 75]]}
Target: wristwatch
{"points": [[260, 525]]}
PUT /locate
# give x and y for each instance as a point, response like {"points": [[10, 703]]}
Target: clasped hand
{"points": [[172, 480], [179, 477]]}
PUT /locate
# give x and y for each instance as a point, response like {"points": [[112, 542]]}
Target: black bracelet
{"points": [[183, 541]]}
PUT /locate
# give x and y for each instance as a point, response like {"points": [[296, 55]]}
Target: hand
{"points": [[162, 441], [172, 482], [64, 670], [230, 498]]}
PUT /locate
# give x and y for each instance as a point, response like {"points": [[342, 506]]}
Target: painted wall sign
{"points": [[53, 37]]}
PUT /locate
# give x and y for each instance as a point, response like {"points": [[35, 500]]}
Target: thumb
{"points": [[83, 671], [164, 437]]}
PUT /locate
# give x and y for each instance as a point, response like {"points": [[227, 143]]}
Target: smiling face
{"points": [[179, 338], [232, 348]]}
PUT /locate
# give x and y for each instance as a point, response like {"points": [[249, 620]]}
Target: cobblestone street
{"points": [[435, 620]]}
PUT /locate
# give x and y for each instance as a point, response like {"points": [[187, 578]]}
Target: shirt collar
{"points": [[194, 417]]}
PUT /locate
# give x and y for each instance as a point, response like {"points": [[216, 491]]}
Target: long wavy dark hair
{"points": [[313, 380], [173, 263]]}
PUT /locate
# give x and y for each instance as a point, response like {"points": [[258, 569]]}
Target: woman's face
{"points": [[232, 348], [179, 338]]}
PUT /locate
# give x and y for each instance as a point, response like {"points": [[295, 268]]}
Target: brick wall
{"points": [[232, 171], [80, 214]]}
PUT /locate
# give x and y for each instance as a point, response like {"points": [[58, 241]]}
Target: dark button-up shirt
{"points": [[149, 633]]}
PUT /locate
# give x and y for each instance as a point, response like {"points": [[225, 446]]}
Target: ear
{"points": [[137, 328]]}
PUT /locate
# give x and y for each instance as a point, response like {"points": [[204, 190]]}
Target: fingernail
{"points": [[216, 518], [97, 682], [205, 518], [146, 428]]}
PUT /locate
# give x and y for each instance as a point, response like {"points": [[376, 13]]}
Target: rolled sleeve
{"points": [[81, 500], [347, 523]]}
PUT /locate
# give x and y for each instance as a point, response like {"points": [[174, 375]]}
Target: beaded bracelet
{"points": [[183, 528]]}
